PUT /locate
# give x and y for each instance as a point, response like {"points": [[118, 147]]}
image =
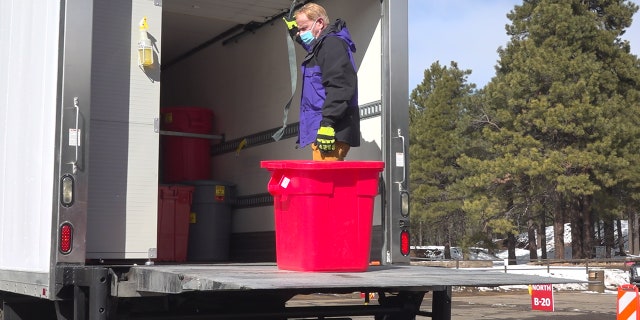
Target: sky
{"points": [[468, 32]]}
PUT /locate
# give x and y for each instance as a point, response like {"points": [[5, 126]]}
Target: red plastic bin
{"points": [[186, 158], [323, 213], [174, 207]]}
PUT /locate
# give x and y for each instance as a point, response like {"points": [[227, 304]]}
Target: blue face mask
{"points": [[307, 37]]}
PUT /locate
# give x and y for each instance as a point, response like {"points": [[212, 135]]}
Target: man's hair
{"points": [[314, 11]]}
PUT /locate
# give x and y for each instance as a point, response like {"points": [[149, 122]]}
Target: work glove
{"points": [[326, 139], [292, 26]]}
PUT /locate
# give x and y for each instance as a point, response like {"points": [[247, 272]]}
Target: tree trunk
{"points": [[558, 229], [609, 238], [531, 223], [533, 243], [577, 234], [511, 248], [542, 234], [598, 236], [620, 239], [587, 216], [447, 250], [634, 240], [488, 236], [447, 241], [630, 226]]}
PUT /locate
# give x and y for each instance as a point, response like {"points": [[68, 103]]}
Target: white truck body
{"points": [[29, 89], [79, 151], [75, 102]]}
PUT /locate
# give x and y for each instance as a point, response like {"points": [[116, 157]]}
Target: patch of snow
{"points": [[613, 277]]}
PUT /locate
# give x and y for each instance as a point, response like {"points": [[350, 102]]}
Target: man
{"points": [[329, 113]]}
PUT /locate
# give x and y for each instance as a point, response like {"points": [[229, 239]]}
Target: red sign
{"points": [[542, 297]]}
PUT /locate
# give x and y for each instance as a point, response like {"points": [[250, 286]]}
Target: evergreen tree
{"points": [[562, 117], [437, 124]]}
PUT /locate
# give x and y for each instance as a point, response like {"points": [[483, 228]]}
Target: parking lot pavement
{"points": [[569, 305]]}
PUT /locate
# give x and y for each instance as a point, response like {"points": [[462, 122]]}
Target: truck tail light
{"points": [[66, 190], [404, 204], [66, 238], [404, 243]]}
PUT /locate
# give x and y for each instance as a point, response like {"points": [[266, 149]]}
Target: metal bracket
{"points": [[191, 135], [408, 301], [74, 163], [403, 159], [90, 292]]}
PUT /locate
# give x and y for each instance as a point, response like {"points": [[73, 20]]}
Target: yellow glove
{"points": [[290, 23], [292, 26], [326, 139]]}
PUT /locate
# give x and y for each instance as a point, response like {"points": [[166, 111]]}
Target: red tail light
{"points": [[404, 243], [66, 238]]}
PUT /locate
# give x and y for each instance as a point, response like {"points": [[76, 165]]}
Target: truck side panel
{"points": [[28, 94], [396, 130]]}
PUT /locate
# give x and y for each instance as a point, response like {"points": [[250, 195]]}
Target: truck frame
{"points": [[79, 160]]}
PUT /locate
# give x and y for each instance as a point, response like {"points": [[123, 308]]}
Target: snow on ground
{"points": [[613, 278]]}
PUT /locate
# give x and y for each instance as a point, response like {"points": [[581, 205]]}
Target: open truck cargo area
{"points": [[85, 86]]}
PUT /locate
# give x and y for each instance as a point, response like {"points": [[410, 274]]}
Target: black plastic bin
{"points": [[210, 220]]}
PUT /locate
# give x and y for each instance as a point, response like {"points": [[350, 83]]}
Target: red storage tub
{"points": [[323, 213], [186, 158], [174, 207]]}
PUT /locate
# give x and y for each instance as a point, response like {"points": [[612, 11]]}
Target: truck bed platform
{"points": [[175, 279], [261, 290]]}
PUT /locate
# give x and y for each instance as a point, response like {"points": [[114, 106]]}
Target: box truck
{"points": [[82, 87]]}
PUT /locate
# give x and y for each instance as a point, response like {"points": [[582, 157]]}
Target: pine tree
{"points": [[562, 116], [437, 114]]}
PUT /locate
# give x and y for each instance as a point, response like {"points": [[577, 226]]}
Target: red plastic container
{"points": [[186, 158], [174, 207], [323, 213]]}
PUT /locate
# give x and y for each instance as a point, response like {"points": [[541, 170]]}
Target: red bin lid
{"points": [[320, 165]]}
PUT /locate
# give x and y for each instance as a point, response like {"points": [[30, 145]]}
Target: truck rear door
{"points": [[123, 143]]}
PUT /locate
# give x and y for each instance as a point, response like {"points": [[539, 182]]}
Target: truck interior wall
{"points": [[246, 83], [28, 113]]}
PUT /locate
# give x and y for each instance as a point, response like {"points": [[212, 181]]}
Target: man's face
{"points": [[305, 24]]}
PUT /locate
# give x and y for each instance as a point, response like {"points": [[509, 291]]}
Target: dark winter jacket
{"points": [[330, 87]]}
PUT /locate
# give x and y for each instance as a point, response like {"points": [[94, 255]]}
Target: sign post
{"points": [[542, 297]]}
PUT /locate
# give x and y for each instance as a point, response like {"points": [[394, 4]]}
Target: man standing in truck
{"points": [[329, 113]]}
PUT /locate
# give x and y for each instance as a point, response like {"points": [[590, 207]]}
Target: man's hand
{"points": [[326, 139]]}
